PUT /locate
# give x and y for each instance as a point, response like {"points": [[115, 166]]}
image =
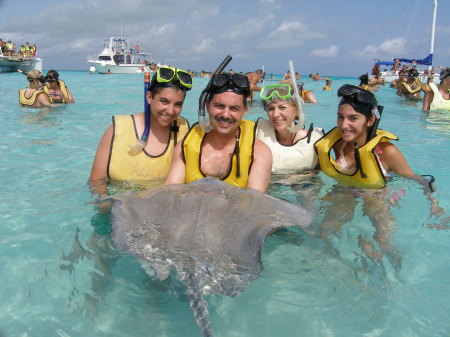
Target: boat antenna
{"points": [[204, 123], [298, 100], [140, 143], [433, 28]]}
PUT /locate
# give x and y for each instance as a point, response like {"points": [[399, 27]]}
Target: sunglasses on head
{"points": [[237, 82], [168, 74], [282, 91]]}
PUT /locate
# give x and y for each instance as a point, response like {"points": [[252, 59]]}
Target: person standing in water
{"points": [[34, 96], [438, 98], [292, 146], [229, 151], [56, 89], [363, 157], [139, 147]]}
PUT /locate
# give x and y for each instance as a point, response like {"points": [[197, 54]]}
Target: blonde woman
{"points": [[34, 96], [292, 146]]}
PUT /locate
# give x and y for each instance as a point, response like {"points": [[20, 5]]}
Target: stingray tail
{"points": [[199, 308]]}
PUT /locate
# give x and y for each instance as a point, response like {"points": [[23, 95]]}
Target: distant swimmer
{"points": [[34, 96], [364, 82], [412, 87], [376, 81], [56, 89], [327, 85], [438, 98], [307, 95], [254, 78], [316, 77]]}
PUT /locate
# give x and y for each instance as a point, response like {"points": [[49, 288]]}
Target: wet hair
{"points": [[361, 107], [445, 73], [156, 87], [53, 73], [364, 79]]}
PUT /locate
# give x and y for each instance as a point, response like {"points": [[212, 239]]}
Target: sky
{"points": [[333, 38]]}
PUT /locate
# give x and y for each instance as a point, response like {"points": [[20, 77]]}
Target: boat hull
{"points": [[103, 68], [389, 77], [10, 64]]}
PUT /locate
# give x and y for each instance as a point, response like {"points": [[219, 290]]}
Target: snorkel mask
{"points": [[165, 77], [363, 101], [204, 123]]}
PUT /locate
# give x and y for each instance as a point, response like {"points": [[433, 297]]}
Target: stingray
{"points": [[209, 232]]}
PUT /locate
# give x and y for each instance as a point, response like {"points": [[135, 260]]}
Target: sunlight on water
{"points": [[61, 275]]}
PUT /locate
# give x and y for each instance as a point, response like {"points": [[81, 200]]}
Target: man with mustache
{"points": [[229, 151]]}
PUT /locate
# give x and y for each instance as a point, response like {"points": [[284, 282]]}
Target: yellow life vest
{"points": [[369, 163], [192, 145], [413, 91], [303, 93], [364, 86], [438, 102], [123, 165], [29, 101], [63, 89]]}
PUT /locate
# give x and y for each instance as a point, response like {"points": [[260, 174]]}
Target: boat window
{"points": [[119, 59], [104, 58], [128, 59]]}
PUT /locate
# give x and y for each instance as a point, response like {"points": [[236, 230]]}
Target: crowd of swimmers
{"points": [[414, 85], [8, 48], [158, 146]]}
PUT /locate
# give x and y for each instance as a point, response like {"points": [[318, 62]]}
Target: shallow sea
{"points": [[59, 276]]}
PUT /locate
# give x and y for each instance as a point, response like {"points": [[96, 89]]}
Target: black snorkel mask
{"points": [[204, 123]]}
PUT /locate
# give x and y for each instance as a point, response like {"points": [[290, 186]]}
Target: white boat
{"points": [[422, 64], [119, 57], [11, 64]]}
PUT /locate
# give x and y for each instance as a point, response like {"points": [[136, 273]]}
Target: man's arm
{"points": [[177, 172], [261, 170]]}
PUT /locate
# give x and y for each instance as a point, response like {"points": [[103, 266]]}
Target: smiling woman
{"points": [[159, 129]]}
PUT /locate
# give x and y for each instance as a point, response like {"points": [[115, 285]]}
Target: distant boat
{"points": [[119, 57], [390, 75], [11, 64]]}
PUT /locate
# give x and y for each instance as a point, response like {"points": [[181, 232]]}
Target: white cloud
{"points": [[248, 29], [289, 34], [331, 51], [387, 48], [206, 45]]}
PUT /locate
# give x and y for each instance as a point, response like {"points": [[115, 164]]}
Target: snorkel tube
{"points": [[140, 143], [298, 100], [204, 123], [377, 111]]}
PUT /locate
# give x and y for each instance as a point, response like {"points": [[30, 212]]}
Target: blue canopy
{"points": [[427, 61]]}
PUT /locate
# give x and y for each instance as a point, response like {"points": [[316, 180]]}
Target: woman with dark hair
{"points": [[359, 156], [56, 89], [138, 148]]}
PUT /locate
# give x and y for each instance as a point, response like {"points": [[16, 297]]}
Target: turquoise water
{"points": [[60, 276]]}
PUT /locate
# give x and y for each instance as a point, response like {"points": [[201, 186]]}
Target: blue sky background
{"points": [[336, 38]]}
